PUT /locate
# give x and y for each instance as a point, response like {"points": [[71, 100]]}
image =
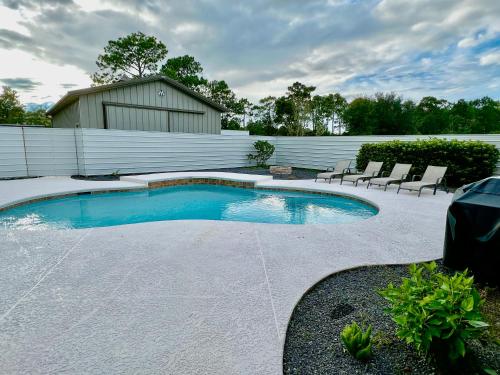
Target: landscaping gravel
{"points": [[313, 344], [297, 173]]}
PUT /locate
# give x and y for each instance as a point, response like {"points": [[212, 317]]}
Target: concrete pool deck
{"points": [[184, 297]]}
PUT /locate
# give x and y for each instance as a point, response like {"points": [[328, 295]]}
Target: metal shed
{"points": [[155, 103]]}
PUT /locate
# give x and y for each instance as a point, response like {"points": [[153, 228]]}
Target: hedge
{"points": [[467, 161]]}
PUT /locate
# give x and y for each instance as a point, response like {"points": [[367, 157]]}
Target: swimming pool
{"points": [[187, 202]]}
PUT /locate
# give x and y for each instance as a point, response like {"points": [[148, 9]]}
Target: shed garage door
{"points": [[132, 118], [187, 122]]}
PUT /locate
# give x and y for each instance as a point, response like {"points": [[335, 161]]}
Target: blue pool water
{"points": [[188, 202]]}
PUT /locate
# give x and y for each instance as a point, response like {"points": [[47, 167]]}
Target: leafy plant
{"points": [[357, 341], [264, 152], [467, 161], [435, 312]]}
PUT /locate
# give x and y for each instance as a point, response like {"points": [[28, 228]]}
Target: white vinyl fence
{"points": [[30, 151], [121, 151], [35, 151], [322, 152]]}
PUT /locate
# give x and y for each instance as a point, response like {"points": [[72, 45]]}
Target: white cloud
{"points": [[51, 77], [491, 58], [263, 46]]}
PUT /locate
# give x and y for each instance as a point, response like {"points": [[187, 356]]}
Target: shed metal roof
{"points": [[72, 96]]}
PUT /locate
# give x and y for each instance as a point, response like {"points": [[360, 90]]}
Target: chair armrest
{"points": [[329, 169], [375, 174], [415, 177], [346, 170], [404, 177], [384, 174]]}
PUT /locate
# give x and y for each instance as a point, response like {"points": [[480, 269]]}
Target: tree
{"points": [[11, 109], [431, 116], [38, 117], [300, 96], [390, 116], [487, 115], [263, 117], [285, 115], [336, 105], [293, 111], [267, 110], [244, 109], [135, 55], [358, 117], [220, 92], [462, 117], [186, 70], [321, 112]]}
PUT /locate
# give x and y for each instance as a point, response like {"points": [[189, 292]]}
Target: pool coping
{"points": [[50, 196], [158, 181]]}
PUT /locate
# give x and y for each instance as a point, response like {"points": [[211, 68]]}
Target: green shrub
{"points": [[467, 161], [264, 152], [435, 312], [357, 342]]}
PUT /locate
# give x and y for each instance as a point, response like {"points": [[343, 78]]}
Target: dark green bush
{"points": [[467, 161]]}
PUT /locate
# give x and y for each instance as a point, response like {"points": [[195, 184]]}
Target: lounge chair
{"points": [[341, 167], [372, 170], [399, 174], [433, 176]]}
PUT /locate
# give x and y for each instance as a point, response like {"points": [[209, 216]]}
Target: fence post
{"points": [[25, 153]]}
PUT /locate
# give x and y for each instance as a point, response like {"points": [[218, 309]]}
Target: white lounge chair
{"points": [[398, 174], [341, 168], [372, 170], [433, 176]]}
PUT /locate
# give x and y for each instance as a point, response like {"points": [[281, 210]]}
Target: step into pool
{"points": [[187, 202]]}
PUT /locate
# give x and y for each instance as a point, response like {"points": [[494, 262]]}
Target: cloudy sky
{"points": [[445, 48]]}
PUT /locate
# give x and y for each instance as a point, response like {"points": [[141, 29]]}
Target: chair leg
{"points": [[367, 186], [341, 180], [399, 188], [356, 184], [419, 192], [435, 188], [385, 187]]}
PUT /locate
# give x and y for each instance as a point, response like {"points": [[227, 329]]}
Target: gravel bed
{"points": [[297, 173], [313, 344]]}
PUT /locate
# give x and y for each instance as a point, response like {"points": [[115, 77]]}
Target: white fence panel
{"points": [[50, 152], [44, 152], [323, 152], [121, 151], [12, 158]]}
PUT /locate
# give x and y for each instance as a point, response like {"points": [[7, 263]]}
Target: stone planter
{"points": [[278, 169]]}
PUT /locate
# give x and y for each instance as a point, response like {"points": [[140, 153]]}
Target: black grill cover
{"points": [[473, 230]]}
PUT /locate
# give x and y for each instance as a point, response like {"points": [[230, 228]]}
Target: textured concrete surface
{"points": [[185, 297], [16, 191]]}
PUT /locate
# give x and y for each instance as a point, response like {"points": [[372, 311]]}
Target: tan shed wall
{"points": [[125, 118], [68, 117]]}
